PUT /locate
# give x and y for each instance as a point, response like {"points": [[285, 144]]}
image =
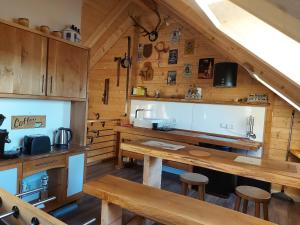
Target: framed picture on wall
{"points": [[171, 77], [173, 56], [187, 70], [206, 67], [189, 47]]}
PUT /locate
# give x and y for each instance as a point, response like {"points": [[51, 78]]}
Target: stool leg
{"points": [[237, 203], [257, 209], [201, 190], [266, 211], [245, 206], [184, 188]]}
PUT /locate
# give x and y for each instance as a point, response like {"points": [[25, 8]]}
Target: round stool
{"points": [[257, 195], [189, 179]]}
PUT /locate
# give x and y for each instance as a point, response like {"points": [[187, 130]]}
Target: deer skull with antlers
{"points": [[152, 35]]}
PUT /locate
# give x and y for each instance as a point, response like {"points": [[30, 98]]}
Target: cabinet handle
{"points": [[51, 79], [43, 82]]}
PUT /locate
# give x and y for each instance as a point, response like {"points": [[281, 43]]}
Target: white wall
{"points": [[205, 117], [57, 115], [54, 13]]}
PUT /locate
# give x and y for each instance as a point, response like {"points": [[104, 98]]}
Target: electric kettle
{"points": [[62, 137]]}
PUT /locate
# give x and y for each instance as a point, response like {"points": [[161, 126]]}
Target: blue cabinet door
{"points": [[75, 174], [9, 180]]}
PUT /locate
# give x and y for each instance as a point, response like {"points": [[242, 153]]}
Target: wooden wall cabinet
{"points": [[67, 70], [34, 64], [23, 61]]}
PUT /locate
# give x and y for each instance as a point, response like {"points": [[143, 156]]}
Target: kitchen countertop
{"points": [[54, 152], [192, 137], [274, 171]]}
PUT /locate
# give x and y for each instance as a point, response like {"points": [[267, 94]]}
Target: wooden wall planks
{"points": [[278, 113]]}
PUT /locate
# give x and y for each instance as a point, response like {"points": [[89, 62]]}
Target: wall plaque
{"points": [[27, 122]]}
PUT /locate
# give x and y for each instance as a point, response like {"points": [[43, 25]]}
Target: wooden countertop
{"points": [[163, 206], [54, 152], [274, 171], [192, 137]]}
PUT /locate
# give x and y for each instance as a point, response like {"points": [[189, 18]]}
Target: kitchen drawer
{"points": [[41, 164], [100, 151]]}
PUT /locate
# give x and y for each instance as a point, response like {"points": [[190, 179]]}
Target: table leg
{"points": [[152, 176], [110, 214], [152, 171]]}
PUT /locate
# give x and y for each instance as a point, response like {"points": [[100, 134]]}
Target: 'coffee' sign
{"points": [[27, 122]]}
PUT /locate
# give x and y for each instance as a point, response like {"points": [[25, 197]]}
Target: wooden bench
{"points": [[159, 205]]}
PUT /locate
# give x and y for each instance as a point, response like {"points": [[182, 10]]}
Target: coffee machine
{"points": [[3, 137]]}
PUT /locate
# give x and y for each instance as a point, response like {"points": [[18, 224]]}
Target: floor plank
{"points": [[88, 207]]}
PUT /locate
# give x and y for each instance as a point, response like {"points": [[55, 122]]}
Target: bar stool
{"points": [[189, 179], [249, 193]]}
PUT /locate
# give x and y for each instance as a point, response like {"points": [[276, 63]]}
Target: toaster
{"points": [[36, 144]]}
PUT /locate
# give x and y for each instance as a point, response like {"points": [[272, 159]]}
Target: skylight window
{"points": [[263, 40]]}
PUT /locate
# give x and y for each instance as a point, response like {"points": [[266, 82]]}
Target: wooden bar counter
{"points": [[193, 137], [274, 171]]}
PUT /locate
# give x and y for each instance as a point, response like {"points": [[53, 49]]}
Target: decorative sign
{"points": [[147, 50], [171, 79], [147, 72], [189, 47], [27, 122], [205, 70], [173, 56], [187, 70], [175, 36], [140, 52]]}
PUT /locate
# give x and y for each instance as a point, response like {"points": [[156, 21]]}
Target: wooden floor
{"points": [[88, 207]]}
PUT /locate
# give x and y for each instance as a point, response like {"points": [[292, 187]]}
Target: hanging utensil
{"points": [[106, 92], [118, 60], [127, 74]]}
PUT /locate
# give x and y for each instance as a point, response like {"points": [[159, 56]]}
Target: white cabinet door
{"points": [[9, 180], [75, 174]]}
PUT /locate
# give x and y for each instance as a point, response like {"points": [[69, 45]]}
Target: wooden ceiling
{"points": [[104, 22]]}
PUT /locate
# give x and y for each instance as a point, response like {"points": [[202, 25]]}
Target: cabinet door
{"points": [[67, 70], [23, 61], [75, 174], [9, 180]]}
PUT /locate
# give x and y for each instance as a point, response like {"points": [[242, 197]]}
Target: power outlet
{"points": [[226, 126]]}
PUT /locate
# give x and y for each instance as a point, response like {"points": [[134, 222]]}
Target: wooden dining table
{"points": [[269, 170]]}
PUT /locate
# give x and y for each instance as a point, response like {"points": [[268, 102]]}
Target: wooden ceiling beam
{"points": [[189, 11], [109, 42], [106, 24]]}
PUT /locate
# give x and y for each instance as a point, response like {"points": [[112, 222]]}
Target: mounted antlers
{"points": [[152, 35]]}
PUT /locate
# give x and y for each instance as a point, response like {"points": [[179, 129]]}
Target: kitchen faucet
{"points": [[140, 110], [136, 112]]}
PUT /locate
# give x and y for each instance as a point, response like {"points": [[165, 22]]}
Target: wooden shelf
{"points": [[13, 24], [104, 120], [41, 97], [198, 101]]}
